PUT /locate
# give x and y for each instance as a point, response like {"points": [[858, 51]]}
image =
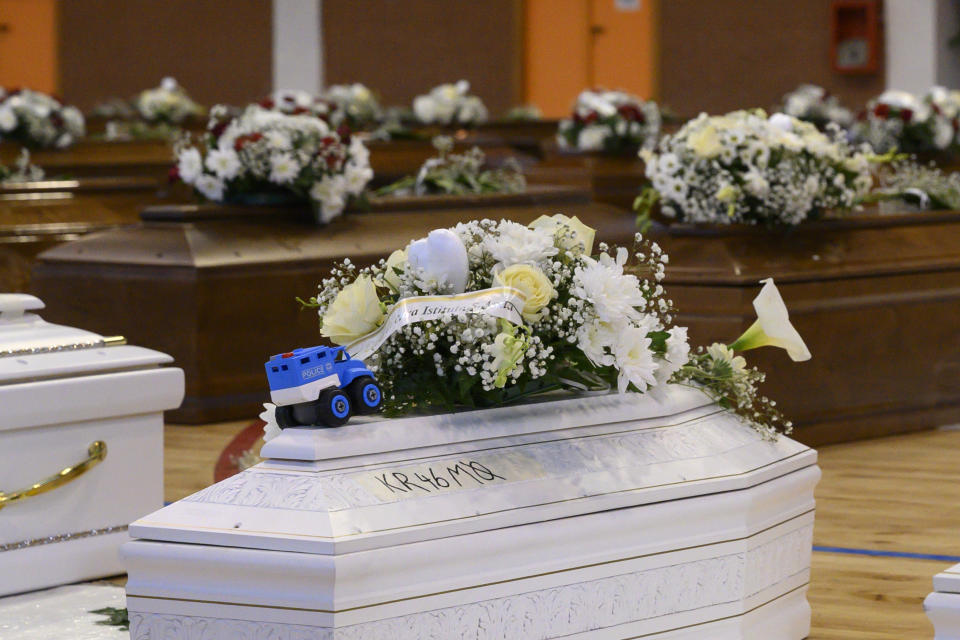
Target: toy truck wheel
{"points": [[285, 417], [366, 395], [333, 408]]}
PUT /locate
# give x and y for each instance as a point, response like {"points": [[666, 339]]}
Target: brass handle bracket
{"points": [[96, 453]]}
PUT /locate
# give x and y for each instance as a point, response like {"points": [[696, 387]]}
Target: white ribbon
{"points": [[498, 302]]}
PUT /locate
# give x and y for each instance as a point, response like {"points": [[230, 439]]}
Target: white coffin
{"points": [[943, 605], [591, 517], [62, 391]]}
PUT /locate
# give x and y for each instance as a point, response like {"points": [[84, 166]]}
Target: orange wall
{"points": [[28, 44], [556, 53], [571, 45]]}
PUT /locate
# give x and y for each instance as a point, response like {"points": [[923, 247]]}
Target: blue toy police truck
{"points": [[321, 386]]}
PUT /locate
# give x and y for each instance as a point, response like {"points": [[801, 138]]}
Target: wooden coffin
{"points": [[612, 178], [392, 160], [35, 216], [527, 136], [876, 298], [215, 286], [100, 158]]}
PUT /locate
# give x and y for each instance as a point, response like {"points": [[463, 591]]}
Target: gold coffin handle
{"points": [[96, 453]]}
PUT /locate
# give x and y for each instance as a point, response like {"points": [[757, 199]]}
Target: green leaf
{"points": [[115, 618]]}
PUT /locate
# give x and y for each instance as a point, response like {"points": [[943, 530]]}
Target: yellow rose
{"points": [[532, 282], [397, 260], [355, 312], [727, 193], [705, 142], [582, 239]]}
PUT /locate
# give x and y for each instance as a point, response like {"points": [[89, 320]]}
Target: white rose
{"points": [[442, 257], [355, 312]]}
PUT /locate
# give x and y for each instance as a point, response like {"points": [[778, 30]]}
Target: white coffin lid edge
{"points": [[377, 435], [948, 581], [566, 458], [76, 366]]}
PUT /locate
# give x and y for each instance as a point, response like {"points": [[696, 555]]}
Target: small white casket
{"points": [[591, 517], [943, 605], [81, 446]]}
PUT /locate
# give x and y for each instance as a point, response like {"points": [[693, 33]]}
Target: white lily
{"points": [[772, 327]]}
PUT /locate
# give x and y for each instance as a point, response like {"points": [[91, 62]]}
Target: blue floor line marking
{"points": [[887, 554]]}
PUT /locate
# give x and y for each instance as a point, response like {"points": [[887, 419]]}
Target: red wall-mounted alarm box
{"points": [[855, 36]]}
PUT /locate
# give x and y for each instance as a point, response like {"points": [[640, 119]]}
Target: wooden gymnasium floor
{"points": [[888, 518]]}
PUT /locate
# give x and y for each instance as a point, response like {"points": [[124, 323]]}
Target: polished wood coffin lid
{"points": [[875, 297], [199, 281]]}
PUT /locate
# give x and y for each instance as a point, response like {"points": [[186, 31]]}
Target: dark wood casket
{"points": [[876, 298], [612, 178], [100, 158], [392, 160], [35, 216], [215, 286]]}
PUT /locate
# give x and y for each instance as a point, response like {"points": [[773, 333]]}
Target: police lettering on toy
{"points": [[321, 386]]}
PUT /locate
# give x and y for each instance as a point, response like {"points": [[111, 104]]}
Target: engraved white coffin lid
{"points": [[32, 349], [333, 491]]}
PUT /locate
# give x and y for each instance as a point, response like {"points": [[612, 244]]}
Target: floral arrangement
{"points": [[450, 105], [920, 187], [264, 153], [21, 171], [611, 121], [355, 105], [523, 113], [459, 174], [168, 104], [816, 105], [37, 120], [746, 168], [897, 120], [489, 312], [298, 103]]}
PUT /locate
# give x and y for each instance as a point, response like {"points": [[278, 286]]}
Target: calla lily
{"points": [[773, 327]]}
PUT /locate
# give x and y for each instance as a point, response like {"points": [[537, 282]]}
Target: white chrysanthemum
{"points": [[356, 177], [8, 119], [615, 296], [634, 360], [224, 162], [591, 138], [678, 353], [330, 194], [595, 339], [283, 168], [515, 243], [211, 187], [189, 165]]}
